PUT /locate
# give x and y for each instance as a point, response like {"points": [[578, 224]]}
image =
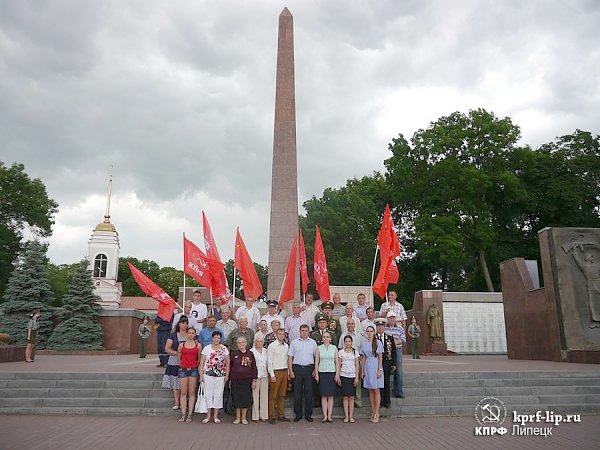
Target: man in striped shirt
{"points": [[397, 333]]}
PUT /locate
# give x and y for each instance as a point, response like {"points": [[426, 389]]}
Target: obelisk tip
{"points": [[285, 12]]}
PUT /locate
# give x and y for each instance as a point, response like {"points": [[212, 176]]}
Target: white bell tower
{"points": [[103, 254]]}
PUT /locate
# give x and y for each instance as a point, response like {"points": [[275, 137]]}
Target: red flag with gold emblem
{"points": [[320, 268], [389, 250], [219, 287]]}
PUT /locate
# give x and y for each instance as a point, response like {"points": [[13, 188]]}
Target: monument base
{"points": [[583, 357], [438, 349]]}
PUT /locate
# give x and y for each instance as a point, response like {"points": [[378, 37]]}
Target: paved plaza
{"points": [[115, 433]]}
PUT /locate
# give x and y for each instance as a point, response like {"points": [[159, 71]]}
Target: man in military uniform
{"points": [[317, 335], [333, 324], [389, 359]]}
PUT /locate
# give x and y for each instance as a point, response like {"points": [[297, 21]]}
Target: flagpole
{"points": [[212, 308], [373, 275], [183, 296], [233, 292]]}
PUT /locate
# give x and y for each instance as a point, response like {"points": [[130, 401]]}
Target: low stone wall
{"points": [[12, 353]]}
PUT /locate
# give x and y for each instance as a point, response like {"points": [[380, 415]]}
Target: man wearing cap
{"points": [[394, 330], [250, 311], [272, 315], [317, 335], [393, 305], [368, 322], [389, 359], [333, 325]]}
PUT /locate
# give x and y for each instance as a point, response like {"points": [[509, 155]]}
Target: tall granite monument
{"points": [[284, 187], [560, 321]]}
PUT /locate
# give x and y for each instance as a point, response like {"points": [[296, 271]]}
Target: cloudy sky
{"points": [[176, 99]]}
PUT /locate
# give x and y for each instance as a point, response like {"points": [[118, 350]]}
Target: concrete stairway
{"points": [[426, 394]]}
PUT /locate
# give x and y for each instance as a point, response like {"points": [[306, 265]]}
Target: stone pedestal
{"points": [[560, 321], [422, 301]]}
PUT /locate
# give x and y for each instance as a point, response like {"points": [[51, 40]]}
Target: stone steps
{"points": [[426, 394]]}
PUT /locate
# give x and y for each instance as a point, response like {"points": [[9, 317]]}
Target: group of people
{"points": [[338, 348]]}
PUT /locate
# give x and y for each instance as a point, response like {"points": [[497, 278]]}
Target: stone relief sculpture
{"points": [[434, 321], [586, 254]]}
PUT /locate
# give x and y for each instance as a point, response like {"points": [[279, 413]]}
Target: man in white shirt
{"points": [[187, 306], [263, 329], [395, 306], [349, 317], [309, 311], [277, 365], [226, 324], [272, 314], [250, 311], [293, 322], [368, 322], [198, 312]]}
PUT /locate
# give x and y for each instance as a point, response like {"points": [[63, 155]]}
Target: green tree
{"points": [[79, 328], [28, 290], [449, 184], [24, 205], [59, 277]]}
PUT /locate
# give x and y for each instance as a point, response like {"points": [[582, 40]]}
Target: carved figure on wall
{"points": [[586, 254], [434, 321]]}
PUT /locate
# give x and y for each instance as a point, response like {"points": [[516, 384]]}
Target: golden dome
{"points": [[105, 226]]}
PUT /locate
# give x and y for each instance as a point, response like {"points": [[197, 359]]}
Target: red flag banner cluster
{"points": [[389, 250], [166, 305]]}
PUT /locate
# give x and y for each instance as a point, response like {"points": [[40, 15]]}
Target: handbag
{"points": [[201, 400], [228, 405]]}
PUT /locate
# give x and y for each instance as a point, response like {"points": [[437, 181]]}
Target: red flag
{"points": [[166, 305], [289, 279], [219, 287], [320, 268], [389, 249], [197, 265], [244, 265], [303, 265]]}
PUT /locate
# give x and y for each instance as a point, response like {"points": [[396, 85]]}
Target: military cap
{"points": [[321, 317], [272, 303], [328, 305], [379, 321]]}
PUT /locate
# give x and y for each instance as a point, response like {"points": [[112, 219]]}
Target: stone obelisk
{"points": [[284, 187]]}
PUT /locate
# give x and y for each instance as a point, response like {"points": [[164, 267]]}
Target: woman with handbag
{"points": [[214, 373], [243, 379], [188, 353]]}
